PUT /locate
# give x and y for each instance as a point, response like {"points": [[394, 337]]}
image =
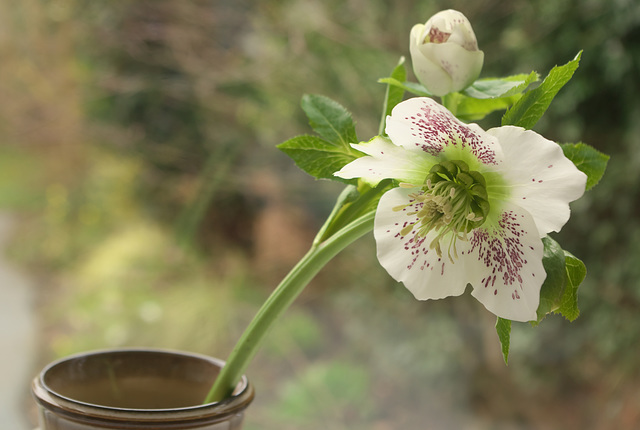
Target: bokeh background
{"points": [[146, 204]]}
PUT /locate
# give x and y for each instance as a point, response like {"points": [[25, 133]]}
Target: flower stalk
{"points": [[282, 297]]}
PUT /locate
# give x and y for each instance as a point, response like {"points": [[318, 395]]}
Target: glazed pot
{"points": [[136, 389]]}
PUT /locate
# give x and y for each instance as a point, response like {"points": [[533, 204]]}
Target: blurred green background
{"points": [[137, 149]]}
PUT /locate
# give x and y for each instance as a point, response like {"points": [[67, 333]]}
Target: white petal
{"points": [[505, 266], [542, 180], [456, 24], [386, 160], [421, 123], [461, 65], [408, 259], [462, 34], [429, 71]]}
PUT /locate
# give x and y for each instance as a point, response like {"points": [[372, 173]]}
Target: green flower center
{"points": [[453, 201]]}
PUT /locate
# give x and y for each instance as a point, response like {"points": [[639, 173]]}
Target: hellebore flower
{"points": [[471, 208], [445, 54]]}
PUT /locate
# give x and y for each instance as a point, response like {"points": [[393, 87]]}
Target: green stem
{"points": [[349, 208], [450, 101], [345, 197], [281, 298]]}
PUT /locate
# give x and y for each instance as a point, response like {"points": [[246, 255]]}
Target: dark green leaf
{"points": [[588, 160], [530, 108], [503, 328], [318, 157], [492, 88], [553, 261], [412, 87], [329, 119], [575, 274]]}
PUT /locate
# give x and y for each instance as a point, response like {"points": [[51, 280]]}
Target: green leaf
{"points": [[329, 119], [491, 88], [472, 109], [588, 160], [411, 87], [553, 260], [559, 292], [575, 272], [394, 94], [488, 95], [318, 157], [322, 156], [529, 109], [503, 328]]}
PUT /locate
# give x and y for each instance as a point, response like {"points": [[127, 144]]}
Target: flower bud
{"points": [[445, 53]]}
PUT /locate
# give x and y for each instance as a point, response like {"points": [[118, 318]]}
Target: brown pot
{"points": [[136, 389]]}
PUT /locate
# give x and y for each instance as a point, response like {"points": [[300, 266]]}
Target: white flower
{"points": [[471, 208], [445, 54]]}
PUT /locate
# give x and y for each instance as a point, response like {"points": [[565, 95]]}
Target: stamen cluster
{"points": [[452, 202]]}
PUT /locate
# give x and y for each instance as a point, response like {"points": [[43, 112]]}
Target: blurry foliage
{"points": [[133, 120], [136, 289], [18, 192], [341, 388]]}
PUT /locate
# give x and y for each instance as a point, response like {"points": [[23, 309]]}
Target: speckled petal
{"points": [[424, 124], [408, 258], [505, 265], [540, 178]]}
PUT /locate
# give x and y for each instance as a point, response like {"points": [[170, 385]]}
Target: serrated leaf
{"points": [[411, 87], [575, 272], [318, 157], [394, 94], [553, 260], [329, 119], [588, 160], [529, 109], [503, 328], [491, 88]]}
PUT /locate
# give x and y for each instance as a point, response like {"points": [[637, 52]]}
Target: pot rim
{"points": [[243, 394]]}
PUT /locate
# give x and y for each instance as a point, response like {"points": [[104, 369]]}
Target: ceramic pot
{"points": [[136, 389]]}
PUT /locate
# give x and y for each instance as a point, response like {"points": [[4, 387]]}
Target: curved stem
{"points": [[344, 199], [280, 300]]}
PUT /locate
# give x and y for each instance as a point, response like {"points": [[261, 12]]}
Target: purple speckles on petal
{"points": [[436, 128], [438, 36], [412, 242], [501, 250]]}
